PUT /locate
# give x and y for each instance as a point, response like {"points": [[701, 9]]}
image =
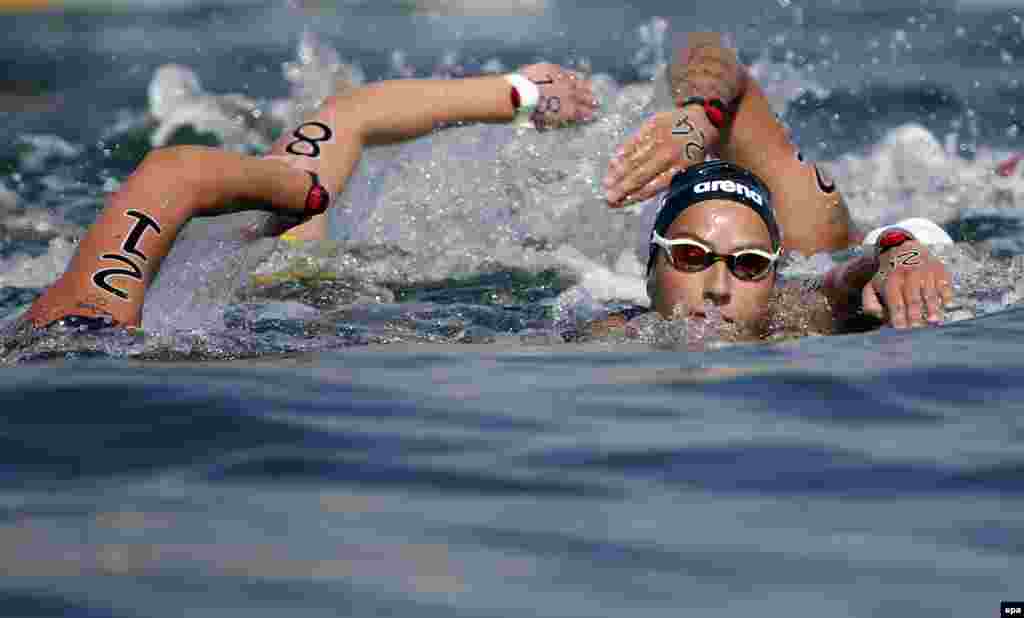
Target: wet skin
{"points": [[726, 227]]}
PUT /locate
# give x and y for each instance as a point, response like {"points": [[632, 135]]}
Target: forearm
{"points": [[844, 283], [330, 142], [809, 205], [404, 109], [120, 254], [707, 68]]}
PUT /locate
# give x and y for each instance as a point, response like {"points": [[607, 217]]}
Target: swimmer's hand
{"points": [[909, 281], [705, 66], [666, 143], [565, 96]]}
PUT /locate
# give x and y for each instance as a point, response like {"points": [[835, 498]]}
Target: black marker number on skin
{"points": [[131, 243], [692, 150], [100, 278], [131, 247], [910, 258], [683, 126], [825, 182], [313, 141]]}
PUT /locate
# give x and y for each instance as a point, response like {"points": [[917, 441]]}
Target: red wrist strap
{"points": [[516, 100], [714, 109], [892, 238], [318, 199]]}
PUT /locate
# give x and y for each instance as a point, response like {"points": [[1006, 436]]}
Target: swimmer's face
{"points": [[725, 227]]}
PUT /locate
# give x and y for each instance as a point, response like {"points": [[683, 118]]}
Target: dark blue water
{"points": [[437, 454]]}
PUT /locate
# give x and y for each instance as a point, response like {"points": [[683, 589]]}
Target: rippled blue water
{"points": [[866, 475]]}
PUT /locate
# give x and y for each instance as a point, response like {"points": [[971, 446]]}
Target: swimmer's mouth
{"points": [[703, 316]]}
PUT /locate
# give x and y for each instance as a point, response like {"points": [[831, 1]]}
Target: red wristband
{"points": [[892, 238], [714, 109], [318, 199], [516, 100]]}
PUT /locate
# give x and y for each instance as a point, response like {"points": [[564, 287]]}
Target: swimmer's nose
{"points": [[717, 288]]}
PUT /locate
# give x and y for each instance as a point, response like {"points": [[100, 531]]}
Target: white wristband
{"points": [[529, 97], [923, 231]]}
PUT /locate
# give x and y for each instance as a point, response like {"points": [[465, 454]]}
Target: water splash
{"points": [[317, 73], [177, 101], [481, 200], [651, 56]]}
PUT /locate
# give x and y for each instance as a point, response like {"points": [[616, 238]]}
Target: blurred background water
{"points": [[405, 420]]}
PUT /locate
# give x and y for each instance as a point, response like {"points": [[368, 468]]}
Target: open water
{"points": [[409, 420]]}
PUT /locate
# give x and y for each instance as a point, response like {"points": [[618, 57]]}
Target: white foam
{"points": [[909, 174], [176, 100], [28, 271]]}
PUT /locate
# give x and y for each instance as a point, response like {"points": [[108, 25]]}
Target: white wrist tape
{"points": [[529, 97], [923, 231]]}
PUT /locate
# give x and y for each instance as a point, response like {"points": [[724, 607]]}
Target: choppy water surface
{"points": [[413, 418]]}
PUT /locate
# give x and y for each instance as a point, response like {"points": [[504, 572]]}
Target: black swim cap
{"points": [[715, 180]]}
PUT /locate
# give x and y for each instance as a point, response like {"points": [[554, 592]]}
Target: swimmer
{"points": [[119, 256], [723, 226]]}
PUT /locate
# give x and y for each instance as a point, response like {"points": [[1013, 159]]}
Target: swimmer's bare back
{"points": [[809, 207], [121, 253]]}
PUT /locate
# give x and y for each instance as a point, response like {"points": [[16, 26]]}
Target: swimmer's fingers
{"points": [[654, 187], [944, 281], [938, 291], [913, 297], [917, 287], [617, 167], [870, 302], [902, 294], [932, 298], [583, 96], [586, 102], [648, 178], [643, 157]]}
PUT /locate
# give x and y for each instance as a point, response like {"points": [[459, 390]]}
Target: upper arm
{"points": [[808, 204], [120, 254]]}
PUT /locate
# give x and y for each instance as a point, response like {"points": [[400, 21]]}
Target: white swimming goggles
{"points": [[691, 256]]}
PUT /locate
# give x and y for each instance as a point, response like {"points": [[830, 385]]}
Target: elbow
{"points": [[348, 114], [174, 176], [182, 164]]}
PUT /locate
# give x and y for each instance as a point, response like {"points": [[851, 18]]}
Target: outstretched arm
{"points": [[906, 286], [120, 255], [808, 206]]}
